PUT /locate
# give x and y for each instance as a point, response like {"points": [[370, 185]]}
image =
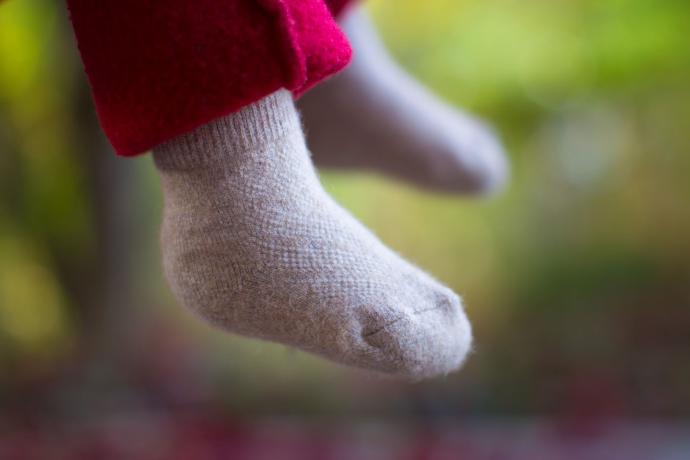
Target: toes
{"points": [[494, 169], [426, 343], [476, 161]]}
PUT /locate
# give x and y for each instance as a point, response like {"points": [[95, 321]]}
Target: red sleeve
{"points": [[337, 7], [161, 68]]}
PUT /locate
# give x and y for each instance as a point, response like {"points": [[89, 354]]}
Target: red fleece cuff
{"points": [[337, 7], [160, 69]]}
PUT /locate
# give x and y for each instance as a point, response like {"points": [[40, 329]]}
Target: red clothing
{"points": [[161, 68]]}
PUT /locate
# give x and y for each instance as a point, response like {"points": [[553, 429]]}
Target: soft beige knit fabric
{"points": [[374, 116], [253, 244]]}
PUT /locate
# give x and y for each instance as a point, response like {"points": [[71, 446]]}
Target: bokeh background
{"points": [[577, 279]]}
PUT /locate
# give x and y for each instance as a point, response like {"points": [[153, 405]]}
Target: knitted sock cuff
{"points": [[265, 121]]}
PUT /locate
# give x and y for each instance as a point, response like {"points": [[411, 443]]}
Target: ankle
{"points": [[226, 138]]}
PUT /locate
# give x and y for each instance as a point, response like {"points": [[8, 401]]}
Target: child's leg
{"points": [[375, 116], [251, 242]]}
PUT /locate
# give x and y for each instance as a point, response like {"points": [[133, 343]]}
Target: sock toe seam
{"points": [[397, 320]]}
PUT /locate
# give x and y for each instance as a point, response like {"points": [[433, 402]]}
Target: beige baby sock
{"points": [[374, 116], [253, 244]]}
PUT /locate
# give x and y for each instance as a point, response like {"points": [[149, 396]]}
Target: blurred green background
{"points": [[577, 279]]}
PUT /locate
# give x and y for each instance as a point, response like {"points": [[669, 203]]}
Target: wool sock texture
{"points": [[253, 244]]}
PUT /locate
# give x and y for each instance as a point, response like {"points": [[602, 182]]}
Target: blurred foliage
{"points": [[43, 212], [577, 279]]}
